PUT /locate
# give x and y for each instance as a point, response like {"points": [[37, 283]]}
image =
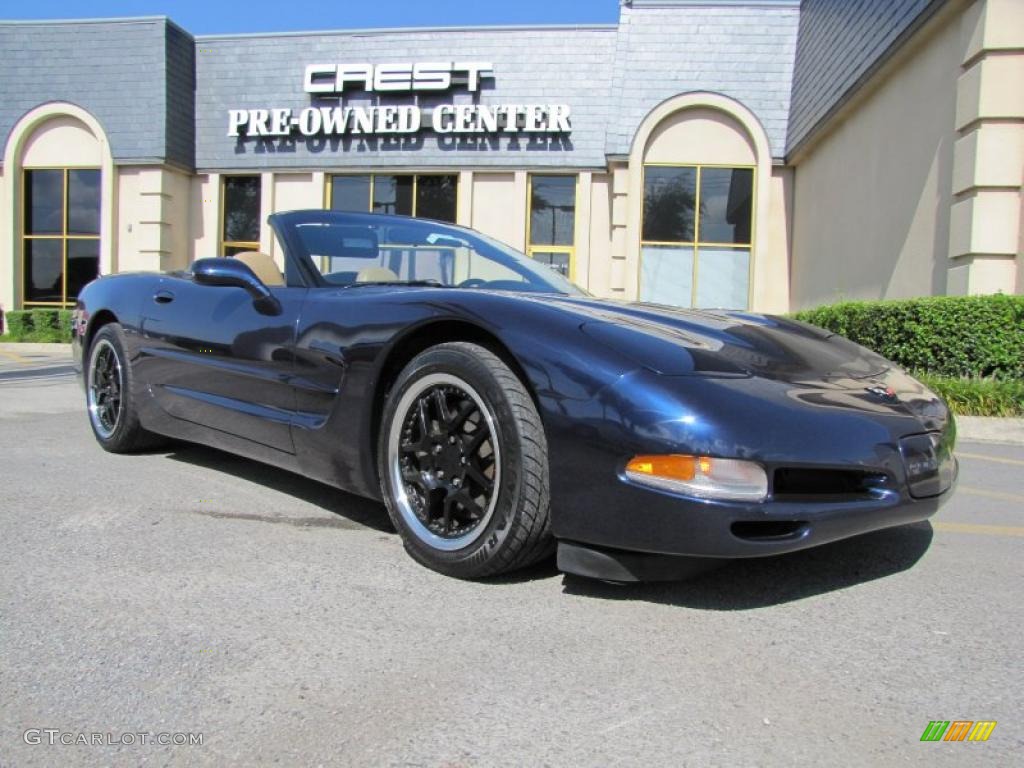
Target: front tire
{"points": [[108, 392], [463, 464]]}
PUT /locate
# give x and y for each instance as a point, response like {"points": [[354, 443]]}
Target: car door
{"points": [[211, 357]]}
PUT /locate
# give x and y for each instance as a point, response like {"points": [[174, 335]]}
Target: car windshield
{"points": [[368, 249]]}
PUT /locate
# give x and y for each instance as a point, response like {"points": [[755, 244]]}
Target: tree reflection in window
{"points": [[670, 198], [241, 210]]}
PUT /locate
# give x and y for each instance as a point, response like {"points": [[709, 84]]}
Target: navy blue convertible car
{"points": [[500, 412]]}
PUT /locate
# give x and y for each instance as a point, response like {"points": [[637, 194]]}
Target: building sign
{"points": [[424, 76], [335, 80]]}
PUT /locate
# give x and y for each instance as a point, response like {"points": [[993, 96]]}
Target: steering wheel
{"points": [[473, 282]]}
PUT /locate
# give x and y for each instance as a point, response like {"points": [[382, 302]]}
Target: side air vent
{"points": [[768, 530]]}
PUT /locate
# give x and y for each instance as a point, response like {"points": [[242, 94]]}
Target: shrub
{"points": [[17, 324], [951, 336], [64, 319], [46, 325], [978, 397]]}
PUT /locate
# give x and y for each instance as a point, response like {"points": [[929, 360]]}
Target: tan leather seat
{"points": [[263, 267], [376, 275]]}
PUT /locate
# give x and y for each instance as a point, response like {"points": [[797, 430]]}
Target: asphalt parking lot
{"points": [[187, 591]]}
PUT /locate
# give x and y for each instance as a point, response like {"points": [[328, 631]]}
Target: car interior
{"points": [[348, 255]]}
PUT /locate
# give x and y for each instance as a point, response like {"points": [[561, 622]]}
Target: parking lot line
{"points": [[986, 457], [14, 356], [990, 494], [987, 530]]}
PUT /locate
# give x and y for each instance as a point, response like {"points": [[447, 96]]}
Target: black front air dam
{"points": [[621, 566]]}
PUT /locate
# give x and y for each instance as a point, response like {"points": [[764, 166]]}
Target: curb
{"points": [[990, 429]]}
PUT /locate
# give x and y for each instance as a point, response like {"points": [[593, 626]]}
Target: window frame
{"points": [[567, 249], [696, 244], [329, 188], [63, 236], [247, 245]]}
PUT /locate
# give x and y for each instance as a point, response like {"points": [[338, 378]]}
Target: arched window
{"points": [[697, 218], [698, 168], [59, 175]]}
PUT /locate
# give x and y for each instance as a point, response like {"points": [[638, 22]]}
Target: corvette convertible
{"points": [[501, 413]]}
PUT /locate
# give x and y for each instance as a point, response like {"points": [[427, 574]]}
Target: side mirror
{"points": [[233, 273]]}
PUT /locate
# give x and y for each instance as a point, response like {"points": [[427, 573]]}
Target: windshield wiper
{"points": [[428, 283]]}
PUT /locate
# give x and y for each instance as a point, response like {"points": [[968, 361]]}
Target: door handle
{"points": [[163, 297], [331, 353]]}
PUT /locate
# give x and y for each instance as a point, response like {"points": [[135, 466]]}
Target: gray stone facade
{"points": [[542, 65], [840, 43], [163, 96], [744, 51], [130, 74]]}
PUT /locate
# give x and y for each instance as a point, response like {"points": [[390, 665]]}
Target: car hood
{"points": [[679, 342]]}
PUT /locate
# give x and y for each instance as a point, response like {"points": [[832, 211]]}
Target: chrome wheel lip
{"points": [[93, 393], [394, 464]]}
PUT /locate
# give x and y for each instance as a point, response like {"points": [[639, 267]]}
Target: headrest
{"points": [[376, 275], [262, 265]]}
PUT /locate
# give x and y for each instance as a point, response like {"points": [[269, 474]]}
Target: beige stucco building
{"points": [[912, 186], [767, 155]]}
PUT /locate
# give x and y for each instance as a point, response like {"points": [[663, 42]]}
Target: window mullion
{"points": [[696, 240], [529, 213], [64, 243]]}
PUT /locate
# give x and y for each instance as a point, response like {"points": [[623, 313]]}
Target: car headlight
{"points": [[702, 476], [930, 465]]}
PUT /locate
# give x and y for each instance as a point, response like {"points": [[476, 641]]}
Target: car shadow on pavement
{"points": [[359, 510], [737, 585], [761, 582]]}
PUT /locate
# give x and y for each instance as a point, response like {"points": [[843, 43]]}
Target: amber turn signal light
{"points": [[673, 466], [704, 477]]}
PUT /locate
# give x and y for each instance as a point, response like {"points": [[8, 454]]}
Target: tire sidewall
{"points": [[111, 334], [475, 555]]}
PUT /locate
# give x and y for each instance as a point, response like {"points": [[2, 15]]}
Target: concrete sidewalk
{"points": [[989, 429], [30, 350]]}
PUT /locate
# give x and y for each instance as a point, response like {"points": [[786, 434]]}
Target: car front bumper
{"points": [[664, 537], [885, 451]]}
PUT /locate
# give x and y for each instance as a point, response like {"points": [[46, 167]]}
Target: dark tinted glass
{"points": [[725, 195], [241, 208], [557, 261], [552, 210], [44, 202], [670, 196], [350, 193], [392, 194], [44, 270], [83, 264], [436, 197], [84, 202]]}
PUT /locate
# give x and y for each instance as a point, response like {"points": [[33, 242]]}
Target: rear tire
{"points": [[109, 384], [463, 464]]}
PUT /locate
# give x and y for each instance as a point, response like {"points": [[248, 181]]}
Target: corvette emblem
{"points": [[886, 393]]}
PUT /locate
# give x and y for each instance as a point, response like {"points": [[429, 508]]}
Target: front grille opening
{"points": [[839, 484], [768, 530]]}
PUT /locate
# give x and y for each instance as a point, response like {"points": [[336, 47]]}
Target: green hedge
{"points": [[951, 336], [52, 325]]}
